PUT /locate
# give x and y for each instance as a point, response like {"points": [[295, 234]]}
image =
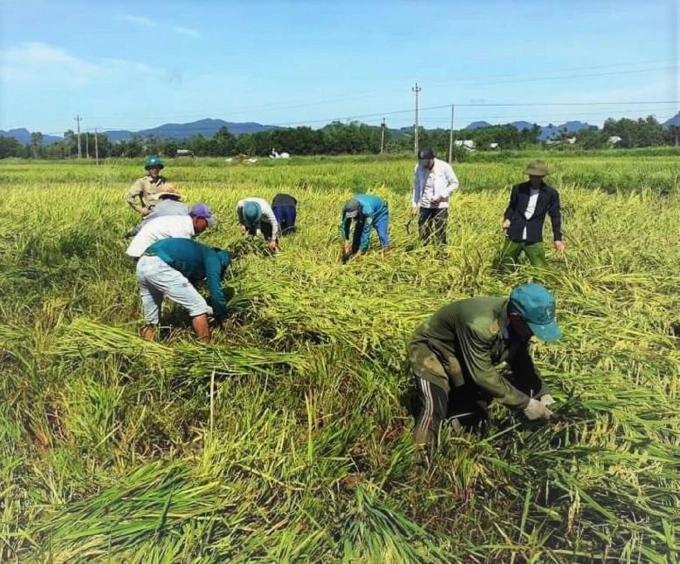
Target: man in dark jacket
{"points": [[456, 358], [285, 210], [529, 203]]}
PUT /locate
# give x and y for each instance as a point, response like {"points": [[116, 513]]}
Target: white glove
{"points": [[547, 400], [536, 410], [210, 311]]}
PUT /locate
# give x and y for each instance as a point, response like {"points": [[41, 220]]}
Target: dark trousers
{"points": [[464, 407], [432, 225], [285, 215], [265, 227]]}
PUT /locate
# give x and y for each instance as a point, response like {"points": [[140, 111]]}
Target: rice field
{"points": [[287, 439]]}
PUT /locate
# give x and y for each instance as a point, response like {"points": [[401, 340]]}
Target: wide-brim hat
{"points": [[537, 168], [169, 191]]}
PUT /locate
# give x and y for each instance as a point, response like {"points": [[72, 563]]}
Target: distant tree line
{"points": [[342, 139]]}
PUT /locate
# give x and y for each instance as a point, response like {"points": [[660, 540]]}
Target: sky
{"points": [[139, 64]]}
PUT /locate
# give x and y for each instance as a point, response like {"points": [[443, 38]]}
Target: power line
{"points": [[293, 104]]}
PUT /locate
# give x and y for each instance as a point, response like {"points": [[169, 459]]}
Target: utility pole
{"points": [[78, 120], [382, 137], [416, 89], [87, 145], [451, 137], [96, 147]]}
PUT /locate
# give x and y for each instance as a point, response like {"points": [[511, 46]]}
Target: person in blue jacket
{"points": [[169, 268], [367, 212]]}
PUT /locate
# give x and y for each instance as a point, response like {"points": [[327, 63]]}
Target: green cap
{"points": [[536, 305], [251, 213], [153, 160]]}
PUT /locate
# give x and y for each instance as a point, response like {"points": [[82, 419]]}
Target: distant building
{"points": [[185, 153], [614, 140], [467, 144], [494, 146]]}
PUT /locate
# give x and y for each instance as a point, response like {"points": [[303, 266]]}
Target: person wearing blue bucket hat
{"points": [[256, 215], [457, 354]]}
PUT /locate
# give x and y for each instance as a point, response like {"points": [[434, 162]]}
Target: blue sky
{"points": [[134, 65]]}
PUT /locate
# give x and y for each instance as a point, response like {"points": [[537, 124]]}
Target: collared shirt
{"points": [[531, 208], [547, 203], [164, 227], [443, 182], [142, 194]]}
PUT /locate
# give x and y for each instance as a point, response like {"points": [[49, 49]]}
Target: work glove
{"points": [[547, 400], [536, 410], [210, 311]]}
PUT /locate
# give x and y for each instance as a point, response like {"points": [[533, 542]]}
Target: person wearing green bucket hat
{"points": [[455, 357], [255, 214], [525, 215]]}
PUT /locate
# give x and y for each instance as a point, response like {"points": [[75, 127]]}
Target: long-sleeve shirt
{"points": [[142, 194], [196, 262], [531, 229], [472, 333], [440, 182], [372, 210], [164, 227], [166, 207], [266, 210]]}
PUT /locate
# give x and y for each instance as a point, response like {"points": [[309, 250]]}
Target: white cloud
{"points": [[30, 59], [186, 31], [147, 22], [43, 64], [138, 20]]}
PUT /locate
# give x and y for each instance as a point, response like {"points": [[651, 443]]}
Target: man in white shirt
{"points": [[433, 184], [255, 214], [171, 227]]}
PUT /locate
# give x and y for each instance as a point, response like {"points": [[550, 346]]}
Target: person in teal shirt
{"points": [[367, 212], [169, 268]]}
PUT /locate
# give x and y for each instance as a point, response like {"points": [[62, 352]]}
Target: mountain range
{"points": [[208, 127]]}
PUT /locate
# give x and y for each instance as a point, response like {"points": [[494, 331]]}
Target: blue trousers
{"points": [[285, 215]]}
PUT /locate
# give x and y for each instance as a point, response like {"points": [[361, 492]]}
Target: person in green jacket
{"points": [[169, 268], [456, 355]]}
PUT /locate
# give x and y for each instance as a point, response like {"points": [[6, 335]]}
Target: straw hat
{"points": [[537, 168]]}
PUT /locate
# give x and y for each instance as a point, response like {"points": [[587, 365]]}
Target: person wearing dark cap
{"points": [[169, 268], [456, 354], [433, 184], [525, 215], [367, 212]]}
